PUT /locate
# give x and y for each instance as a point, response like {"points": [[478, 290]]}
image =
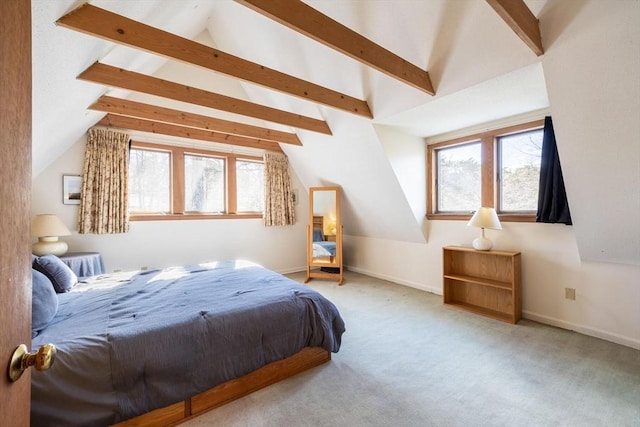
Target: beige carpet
{"points": [[407, 360]]}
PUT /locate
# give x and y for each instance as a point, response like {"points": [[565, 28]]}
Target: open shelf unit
{"points": [[483, 282]]}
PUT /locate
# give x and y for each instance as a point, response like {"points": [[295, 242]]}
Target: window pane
{"points": [[459, 184], [520, 171], [204, 183], [250, 183], [149, 181]]}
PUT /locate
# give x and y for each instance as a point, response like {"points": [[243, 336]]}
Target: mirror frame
{"points": [[325, 269]]}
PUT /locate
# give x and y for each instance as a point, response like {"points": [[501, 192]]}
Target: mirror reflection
{"points": [[324, 234], [324, 226]]}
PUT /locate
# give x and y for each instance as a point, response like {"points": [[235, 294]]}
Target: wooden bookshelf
{"points": [[483, 282]]}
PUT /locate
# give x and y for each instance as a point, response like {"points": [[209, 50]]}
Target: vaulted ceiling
{"points": [[313, 79], [148, 27]]}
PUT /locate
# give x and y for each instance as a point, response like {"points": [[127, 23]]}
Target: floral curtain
{"points": [[103, 206], [278, 200]]}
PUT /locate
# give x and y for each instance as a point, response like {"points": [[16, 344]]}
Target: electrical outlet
{"points": [[117, 270], [570, 293]]}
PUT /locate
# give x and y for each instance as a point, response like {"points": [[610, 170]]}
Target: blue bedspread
{"points": [[129, 343]]}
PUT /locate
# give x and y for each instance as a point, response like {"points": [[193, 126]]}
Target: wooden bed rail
{"points": [[222, 394]]}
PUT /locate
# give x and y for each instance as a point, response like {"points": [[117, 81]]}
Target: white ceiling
{"points": [[519, 92], [428, 33], [480, 69]]}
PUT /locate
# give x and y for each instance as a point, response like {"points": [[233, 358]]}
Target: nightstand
{"points": [[84, 264]]}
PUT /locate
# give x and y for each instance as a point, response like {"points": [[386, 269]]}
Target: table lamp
{"points": [[484, 218], [332, 227], [47, 228]]}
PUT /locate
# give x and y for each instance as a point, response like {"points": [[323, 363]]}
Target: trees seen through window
{"points": [[168, 182], [500, 169]]}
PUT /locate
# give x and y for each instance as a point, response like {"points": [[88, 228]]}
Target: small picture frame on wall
{"points": [[71, 189], [294, 196]]}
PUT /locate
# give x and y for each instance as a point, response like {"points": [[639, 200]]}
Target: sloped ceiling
{"points": [[471, 54]]}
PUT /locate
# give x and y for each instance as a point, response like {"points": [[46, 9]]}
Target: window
{"points": [[459, 180], [500, 168], [149, 181], [204, 183], [250, 184], [167, 182], [519, 158]]}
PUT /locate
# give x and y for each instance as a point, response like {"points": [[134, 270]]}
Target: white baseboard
{"points": [[422, 287], [547, 320], [585, 330], [292, 270]]}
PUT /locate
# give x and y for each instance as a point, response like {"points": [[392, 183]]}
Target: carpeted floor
{"points": [[407, 360]]}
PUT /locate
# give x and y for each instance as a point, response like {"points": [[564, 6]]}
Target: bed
{"points": [[165, 340], [321, 246]]}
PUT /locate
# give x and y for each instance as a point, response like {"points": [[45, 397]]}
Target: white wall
{"points": [[592, 70], [607, 295], [353, 159], [165, 243], [408, 157]]}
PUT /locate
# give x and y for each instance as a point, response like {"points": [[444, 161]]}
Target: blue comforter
{"points": [[327, 248], [129, 343]]}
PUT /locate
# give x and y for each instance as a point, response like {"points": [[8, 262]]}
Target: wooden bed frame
{"points": [[318, 223], [222, 394]]}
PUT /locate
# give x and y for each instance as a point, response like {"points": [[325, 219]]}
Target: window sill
{"points": [[188, 217], [506, 217]]}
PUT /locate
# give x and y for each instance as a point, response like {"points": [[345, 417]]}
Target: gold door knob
{"points": [[22, 359]]}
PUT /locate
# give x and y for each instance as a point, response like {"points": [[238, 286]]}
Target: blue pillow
{"points": [[318, 236], [62, 277], [44, 302]]}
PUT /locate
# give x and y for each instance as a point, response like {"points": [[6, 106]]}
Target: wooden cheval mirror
{"points": [[324, 235]]}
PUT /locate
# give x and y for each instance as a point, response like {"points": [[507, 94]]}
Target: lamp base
{"points": [[482, 244], [49, 245]]}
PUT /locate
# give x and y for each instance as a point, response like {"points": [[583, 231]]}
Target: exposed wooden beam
{"points": [[117, 77], [521, 20], [308, 21], [132, 123], [125, 107], [101, 23]]}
